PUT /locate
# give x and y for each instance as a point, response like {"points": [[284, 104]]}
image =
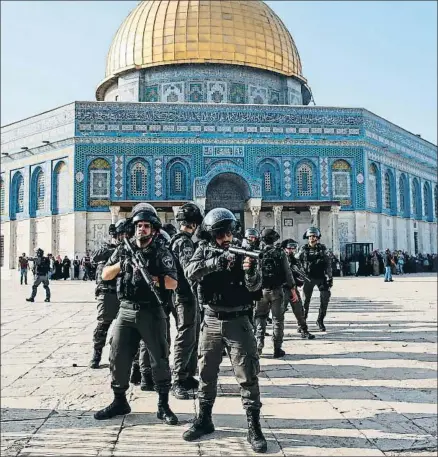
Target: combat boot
{"points": [[203, 424], [278, 353], [320, 321], [135, 375], [95, 360], [305, 334], [164, 412], [146, 382], [30, 299], [255, 435], [47, 300], [119, 407], [179, 391]]}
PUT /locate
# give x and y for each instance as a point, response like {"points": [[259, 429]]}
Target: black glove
{"points": [[224, 260], [329, 282]]}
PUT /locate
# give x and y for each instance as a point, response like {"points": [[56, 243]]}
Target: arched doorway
{"points": [[230, 191]]}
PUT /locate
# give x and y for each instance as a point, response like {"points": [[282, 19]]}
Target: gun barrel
{"points": [[239, 251]]}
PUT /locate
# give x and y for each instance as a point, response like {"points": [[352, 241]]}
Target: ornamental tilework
{"points": [[324, 179], [118, 175], [257, 95], [158, 177], [196, 92], [151, 94], [237, 93], [172, 93], [216, 92], [287, 178]]}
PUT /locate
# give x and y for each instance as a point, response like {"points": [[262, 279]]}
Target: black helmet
{"points": [[146, 213], [312, 231], [166, 237], [219, 220], [289, 243], [123, 226], [170, 229], [39, 252], [270, 236], [112, 230], [252, 232], [190, 213]]}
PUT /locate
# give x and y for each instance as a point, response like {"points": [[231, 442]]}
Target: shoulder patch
{"points": [[168, 261]]}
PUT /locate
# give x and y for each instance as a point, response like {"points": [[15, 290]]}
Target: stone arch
{"points": [[228, 190], [374, 189], [60, 188], [305, 179], [427, 202], [416, 198], [99, 182], [390, 199]]}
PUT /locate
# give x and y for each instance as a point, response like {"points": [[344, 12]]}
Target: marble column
{"points": [[175, 210], [255, 211], [277, 219], [115, 210], [314, 210], [334, 211]]}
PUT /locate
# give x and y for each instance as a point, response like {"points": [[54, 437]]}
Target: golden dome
{"points": [[167, 32]]}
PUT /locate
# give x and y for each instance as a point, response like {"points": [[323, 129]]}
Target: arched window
{"points": [[268, 172], [139, 179], [416, 198], [387, 191], [2, 197], [427, 202], [341, 181], [304, 179], [40, 191], [60, 198], [17, 195], [99, 179], [436, 201], [372, 186], [403, 195]]}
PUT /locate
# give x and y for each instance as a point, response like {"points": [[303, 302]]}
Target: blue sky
{"points": [[381, 56]]}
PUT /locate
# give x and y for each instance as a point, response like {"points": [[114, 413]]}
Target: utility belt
{"points": [[107, 291], [225, 316], [138, 306]]}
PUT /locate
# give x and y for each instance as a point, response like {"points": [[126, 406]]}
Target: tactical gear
{"points": [[305, 334], [219, 221], [120, 226], [191, 383], [270, 236], [179, 391], [146, 213], [272, 267], [312, 231], [164, 412], [95, 360], [203, 424], [252, 232], [190, 213], [255, 435], [119, 407], [289, 243]]}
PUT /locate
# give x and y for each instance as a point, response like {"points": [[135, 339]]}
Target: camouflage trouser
{"points": [[186, 340], [142, 358], [237, 336], [38, 280], [107, 309], [325, 295], [130, 327], [297, 307], [271, 300]]}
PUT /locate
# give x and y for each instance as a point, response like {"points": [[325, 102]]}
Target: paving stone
{"points": [[366, 387]]}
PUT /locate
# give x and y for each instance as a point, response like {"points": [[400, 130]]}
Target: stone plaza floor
{"points": [[367, 387]]}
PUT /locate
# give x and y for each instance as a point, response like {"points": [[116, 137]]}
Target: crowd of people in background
{"points": [[391, 263], [60, 268]]}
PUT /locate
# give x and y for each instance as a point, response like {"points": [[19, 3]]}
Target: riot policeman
{"points": [[275, 273], [189, 218], [106, 292], [251, 239], [140, 315], [290, 247], [318, 267], [41, 267], [226, 283]]}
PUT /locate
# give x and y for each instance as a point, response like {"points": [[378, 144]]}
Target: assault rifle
{"points": [[139, 262], [300, 273], [258, 255]]}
